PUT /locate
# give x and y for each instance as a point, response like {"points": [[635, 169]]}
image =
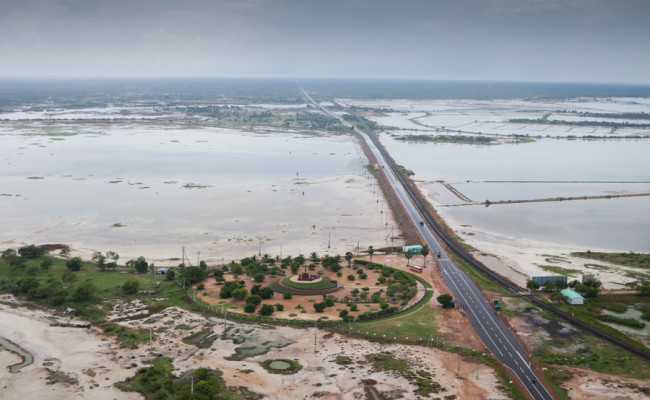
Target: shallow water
{"points": [[630, 313], [621, 224], [254, 340], [27, 358], [150, 190], [279, 364]]}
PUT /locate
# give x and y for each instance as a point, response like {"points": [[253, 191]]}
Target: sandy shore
{"points": [[71, 353]]}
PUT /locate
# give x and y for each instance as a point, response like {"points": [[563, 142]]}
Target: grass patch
{"points": [[631, 322], [128, 337], [555, 377], [343, 360], [593, 353], [615, 307], [416, 325], [324, 283], [560, 270], [481, 280], [281, 366], [631, 259], [387, 362], [590, 312]]}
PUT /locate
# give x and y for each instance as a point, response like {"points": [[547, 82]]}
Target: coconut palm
{"points": [[408, 256], [371, 250], [425, 253], [348, 258]]}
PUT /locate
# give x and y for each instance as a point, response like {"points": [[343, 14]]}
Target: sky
{"points": [[602, 41]]}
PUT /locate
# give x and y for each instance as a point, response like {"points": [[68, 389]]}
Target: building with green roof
{"points": [[573, 297]]}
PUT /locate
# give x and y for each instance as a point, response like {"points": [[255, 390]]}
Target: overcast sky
{"points": [[521, 40]]}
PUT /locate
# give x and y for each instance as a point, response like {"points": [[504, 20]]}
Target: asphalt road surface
{"points": [[493, 332]]}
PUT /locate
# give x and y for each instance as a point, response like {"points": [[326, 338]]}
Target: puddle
{"points": [[154, 319], [27, 358], [202, 339], [256, 340], [279, 364], [643, 333]]}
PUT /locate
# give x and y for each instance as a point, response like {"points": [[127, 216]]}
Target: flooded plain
{"points": [[544, 169], [463, 181], [149, 190]]}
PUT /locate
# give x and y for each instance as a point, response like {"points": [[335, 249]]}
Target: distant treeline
{"points": [[544, 121], [179, 91], [153, 91], [447, 139], [640, 115]]}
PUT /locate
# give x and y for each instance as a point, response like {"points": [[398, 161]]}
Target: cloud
{"points": [[465, 39]]}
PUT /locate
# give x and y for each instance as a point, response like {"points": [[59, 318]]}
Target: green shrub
{"points": [[266, 309], [74, 264], [266, 292], [249, 308], [254, 299], [131, 287]]}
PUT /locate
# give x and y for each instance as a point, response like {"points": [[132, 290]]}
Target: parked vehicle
{"points": [[415, 268]]}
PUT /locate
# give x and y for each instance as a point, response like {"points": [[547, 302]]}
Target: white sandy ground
{"points": [[70, 350], [81, 353]]}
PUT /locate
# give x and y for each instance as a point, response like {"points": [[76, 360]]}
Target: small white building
{"points": [[162, 271], [573, 297]]}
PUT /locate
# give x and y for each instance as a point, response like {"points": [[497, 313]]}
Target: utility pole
{"points": [[458, 348], [259, 252], [329, 237], [198, 257]]}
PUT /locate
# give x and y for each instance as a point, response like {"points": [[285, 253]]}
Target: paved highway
{"points": [[493, 332]]}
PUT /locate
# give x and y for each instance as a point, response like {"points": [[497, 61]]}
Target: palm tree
{"points": [[408, 256], [371, 250], [314, 257], [425, 253], [348, 258]]}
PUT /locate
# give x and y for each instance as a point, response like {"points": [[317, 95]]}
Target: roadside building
{"points": [[573, 297], [541, 280], [416, 249], [162, 271]]}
